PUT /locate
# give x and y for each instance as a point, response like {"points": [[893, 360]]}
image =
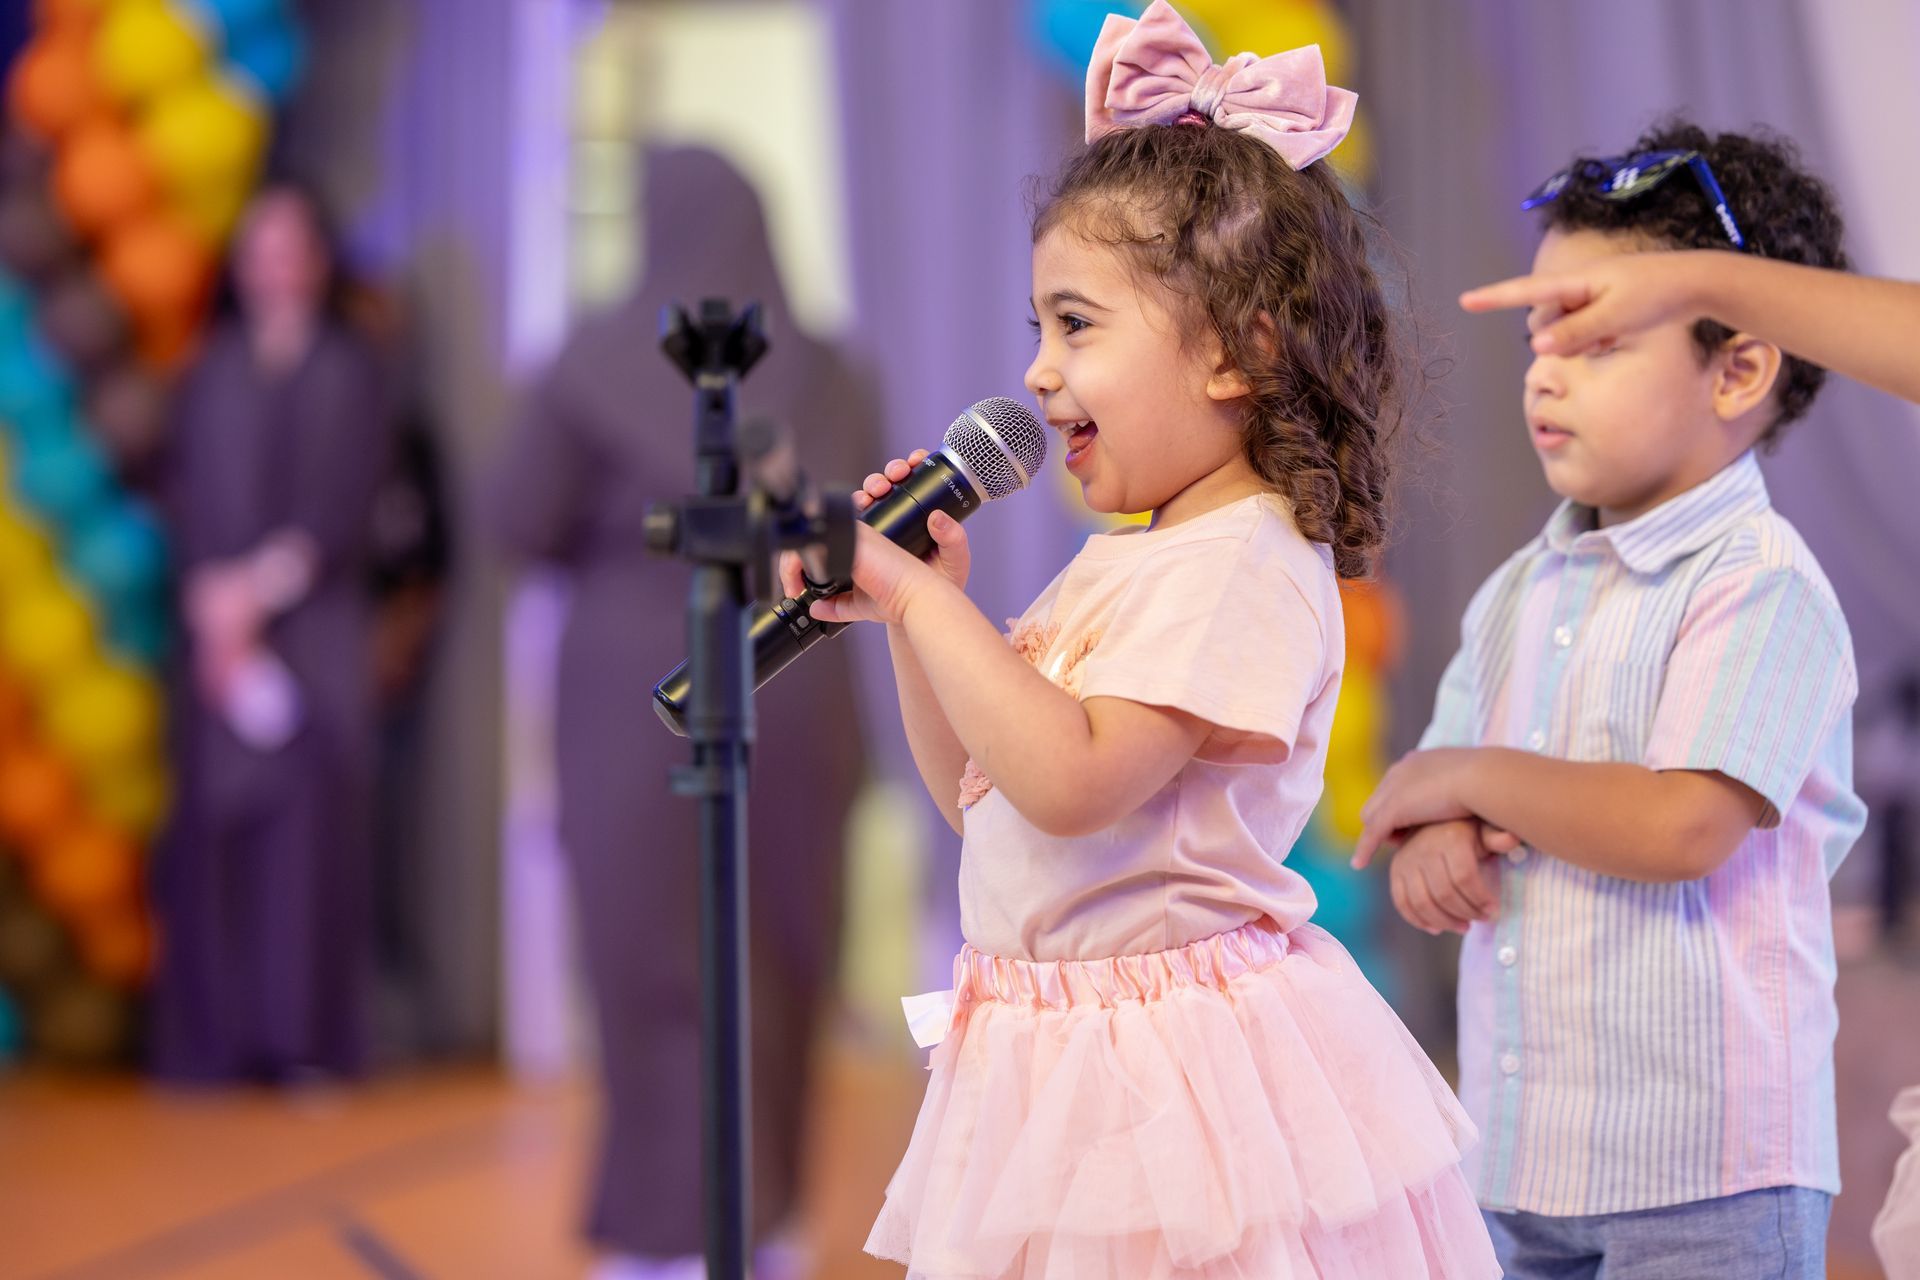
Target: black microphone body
{"points": [[942, 482]]}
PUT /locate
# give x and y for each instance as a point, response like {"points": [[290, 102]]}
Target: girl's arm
{"points": [[1070, 768], [1856, 325], [937, 753]]}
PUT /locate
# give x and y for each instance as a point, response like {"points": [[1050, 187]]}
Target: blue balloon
{"points": [[62, 482], [119, 555], [1064, 32], [234, 20], [32, 377], [273, 57]]}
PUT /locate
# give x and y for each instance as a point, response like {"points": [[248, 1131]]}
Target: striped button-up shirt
{"points": [[1627, 1045]]}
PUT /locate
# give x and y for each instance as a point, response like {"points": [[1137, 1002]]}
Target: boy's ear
{"points": [[1749, 368]]}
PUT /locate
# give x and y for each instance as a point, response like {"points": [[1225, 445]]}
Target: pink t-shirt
{"points": [[1232, 616]]}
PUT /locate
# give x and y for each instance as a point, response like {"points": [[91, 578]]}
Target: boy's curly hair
{"points": [[1783, 211], [1276, 261]]}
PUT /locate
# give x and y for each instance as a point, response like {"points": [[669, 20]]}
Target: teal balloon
{"points": [[12, 1029], [273, 57], [32, 377], [138, 631], [63, 482], [16, 307], [1349, 901], [119, 555], [41, 424], [1064, 31]]}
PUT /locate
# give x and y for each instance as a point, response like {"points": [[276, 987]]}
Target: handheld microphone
{"points": [[993, 449]]}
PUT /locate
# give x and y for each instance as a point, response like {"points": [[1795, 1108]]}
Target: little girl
{"points": [[1155, 1067]]}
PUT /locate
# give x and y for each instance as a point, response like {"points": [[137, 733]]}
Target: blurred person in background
{"points": [[263, 882], [607, 432]]}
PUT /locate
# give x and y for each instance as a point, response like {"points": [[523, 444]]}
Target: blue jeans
{"points": [[1779, 1233]]}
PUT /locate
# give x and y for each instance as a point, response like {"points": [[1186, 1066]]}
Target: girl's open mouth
{"points": [[1079, 439]]}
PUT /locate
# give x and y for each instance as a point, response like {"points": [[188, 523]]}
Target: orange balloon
{"points": [[52, 88], [103, 178], [1376, 630], [116, 945], [160, 270], [16, 712], [67, 13], [37, 796], [85, 869], [165, 345]]}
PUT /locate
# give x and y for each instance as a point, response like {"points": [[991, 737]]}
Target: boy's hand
{"points": [[1445, 875], [950, 555], [1602, 302], [1422, 787]]}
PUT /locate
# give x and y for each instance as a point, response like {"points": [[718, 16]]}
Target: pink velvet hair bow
{"points": [[1154, 70]]}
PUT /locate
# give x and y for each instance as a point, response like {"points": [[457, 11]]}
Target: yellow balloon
{"points": [[1346, 794], [204, 133], [1359, 721], [26, 558], [45, 633], [144, 47], [214, 210], [102, 714], [1275, 26], [132, 797]]}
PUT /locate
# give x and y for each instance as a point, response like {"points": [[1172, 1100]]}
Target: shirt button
{"points": [[1509, 1064], [1506, 956], [1537, 739], [1563, 635], [1519, 854]]}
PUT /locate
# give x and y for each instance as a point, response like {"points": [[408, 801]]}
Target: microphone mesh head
{"points": [[1000, 442]]}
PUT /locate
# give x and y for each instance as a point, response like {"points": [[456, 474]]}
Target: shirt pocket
{"points": [[1611, 702]]}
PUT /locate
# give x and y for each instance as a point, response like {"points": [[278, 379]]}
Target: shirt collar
{"points": [[1677, 527]]}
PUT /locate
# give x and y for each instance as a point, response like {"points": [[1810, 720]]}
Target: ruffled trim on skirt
{"points": [[1244, 1108]]}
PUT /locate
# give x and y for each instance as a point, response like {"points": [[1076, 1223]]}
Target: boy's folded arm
{"points": [[1618, 819]]}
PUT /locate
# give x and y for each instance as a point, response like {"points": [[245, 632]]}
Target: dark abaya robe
{"points": [[608, 431], [262, 881]]}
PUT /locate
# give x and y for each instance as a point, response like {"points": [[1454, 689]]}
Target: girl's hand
{"points": [[950, 556], [1421, 788], [1602, 302], [886, 579]]}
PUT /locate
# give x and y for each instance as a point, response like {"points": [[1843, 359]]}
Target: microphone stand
{"points": [[731, 538]]}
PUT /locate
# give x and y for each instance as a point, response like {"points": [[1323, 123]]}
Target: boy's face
{"points": [[1625, 428]]}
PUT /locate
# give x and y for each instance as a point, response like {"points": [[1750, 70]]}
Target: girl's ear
{"points": [[1228, 381]]}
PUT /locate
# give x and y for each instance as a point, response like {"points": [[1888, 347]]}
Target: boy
{"points": [[1651, 709]]}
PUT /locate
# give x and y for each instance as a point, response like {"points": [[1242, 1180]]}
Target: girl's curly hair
{"points": [[1276, 261]]}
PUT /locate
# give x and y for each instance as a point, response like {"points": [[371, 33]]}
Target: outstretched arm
{"points": [[1857, 325]]}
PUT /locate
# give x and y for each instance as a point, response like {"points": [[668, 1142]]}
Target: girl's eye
{"points": [[1072, 324], [1033, 323]]}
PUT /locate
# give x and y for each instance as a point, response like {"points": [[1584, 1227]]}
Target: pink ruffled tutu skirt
{"points": [[1243, 1108]]}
